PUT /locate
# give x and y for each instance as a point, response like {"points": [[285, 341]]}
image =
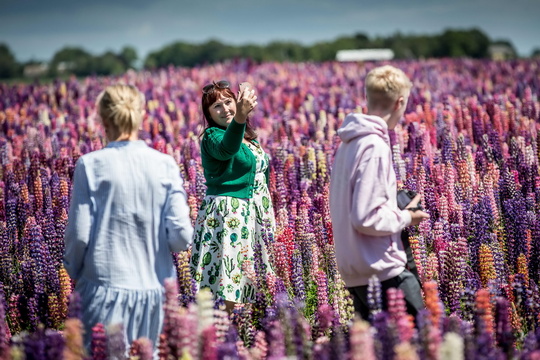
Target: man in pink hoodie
{"points": [[366, 220]]}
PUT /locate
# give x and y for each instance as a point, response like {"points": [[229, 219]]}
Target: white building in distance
{"points": [[364, 55]]}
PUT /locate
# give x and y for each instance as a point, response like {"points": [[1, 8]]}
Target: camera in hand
{"points": [[404, 197]]}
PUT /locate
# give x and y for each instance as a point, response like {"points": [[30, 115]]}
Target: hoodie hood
{"points": [[356, 125]]}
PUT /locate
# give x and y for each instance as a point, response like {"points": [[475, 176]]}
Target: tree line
{"points": [[471, 43]]}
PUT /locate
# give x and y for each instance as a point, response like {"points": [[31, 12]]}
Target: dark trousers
{"points": [[405, 281]]}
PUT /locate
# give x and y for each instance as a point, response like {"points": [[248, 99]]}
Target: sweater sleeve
{"points": [[224, 145], [177, 221], [79, 227], [373, 213]]}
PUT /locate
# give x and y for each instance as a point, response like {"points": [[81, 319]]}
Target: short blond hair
{"points": [[121, 106], [384, 85]]}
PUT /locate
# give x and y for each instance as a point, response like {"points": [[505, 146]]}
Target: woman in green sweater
{"points": [[236, 213]]}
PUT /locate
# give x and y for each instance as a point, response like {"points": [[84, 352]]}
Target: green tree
{"points": [[458, 43], [177, 54], [72, 60], [108, 64], [128, 56], [9, 67]]}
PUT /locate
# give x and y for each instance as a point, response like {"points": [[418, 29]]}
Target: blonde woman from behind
{"points": [[128, 212]]}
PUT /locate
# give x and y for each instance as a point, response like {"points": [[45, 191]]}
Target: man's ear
{"points": [[399, 103]]}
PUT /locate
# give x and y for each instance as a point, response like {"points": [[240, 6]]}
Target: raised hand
{"points": [[247, 100]]}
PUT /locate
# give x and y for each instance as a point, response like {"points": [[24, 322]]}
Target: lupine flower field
{"points": [[469, 144]]}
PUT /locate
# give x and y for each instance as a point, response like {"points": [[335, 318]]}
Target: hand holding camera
{"points": [[410, 200]]}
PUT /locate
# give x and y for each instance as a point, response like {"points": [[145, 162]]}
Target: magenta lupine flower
{"points": [[187, 340], [452, 275], [361, 340], [260, 347], [325, 317], [5, 333], [397, 312], [280, 261], [98, 347], [322, 288], [209, 344], [142, 349], [14, 314], [170, 341]]}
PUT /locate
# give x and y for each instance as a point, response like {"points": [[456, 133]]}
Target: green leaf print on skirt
{"points": [[207, 259], [266, 204], [235, 204], [229, 266], [213, 273]]}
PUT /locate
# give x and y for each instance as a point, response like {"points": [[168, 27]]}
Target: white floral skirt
{"points": [[226, 233]]}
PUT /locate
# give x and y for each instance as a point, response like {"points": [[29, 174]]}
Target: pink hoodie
{"points": [[366, 220]]}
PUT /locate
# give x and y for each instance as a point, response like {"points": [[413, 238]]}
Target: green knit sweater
{"points": [[229, 165]]}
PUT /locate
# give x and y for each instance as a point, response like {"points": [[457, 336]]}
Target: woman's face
{"points": [[223, 110]]}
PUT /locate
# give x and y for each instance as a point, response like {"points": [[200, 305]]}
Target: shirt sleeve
{"points": [[373, 213], [79, 226], [224, 146], [177, 220]]}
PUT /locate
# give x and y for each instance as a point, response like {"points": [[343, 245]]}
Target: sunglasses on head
{"points": [[222, 84]]}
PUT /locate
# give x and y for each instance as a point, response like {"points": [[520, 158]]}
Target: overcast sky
{"points": [[36, 29]]}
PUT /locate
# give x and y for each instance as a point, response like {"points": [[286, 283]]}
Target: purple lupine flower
{"points": [[386, 337], [74, 307], [374, 296], [227, 349], [321, 348], [55, 246], [423, 321], [54, 344], [34, 345], [276, 340], [503, 328], [453, 323], [338, 345], [242, 319], [515, 214], [297, 275], [6, 260], [481, 217], [116, 343]]}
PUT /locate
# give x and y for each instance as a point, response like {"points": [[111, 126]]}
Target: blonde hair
{"points": [[121, 106], [384, 85]]}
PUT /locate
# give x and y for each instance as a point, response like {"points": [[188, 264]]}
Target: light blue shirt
{"points": [[128, 212]]}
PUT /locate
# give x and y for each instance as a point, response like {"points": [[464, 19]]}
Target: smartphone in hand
{"points": [[244, 85]]}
